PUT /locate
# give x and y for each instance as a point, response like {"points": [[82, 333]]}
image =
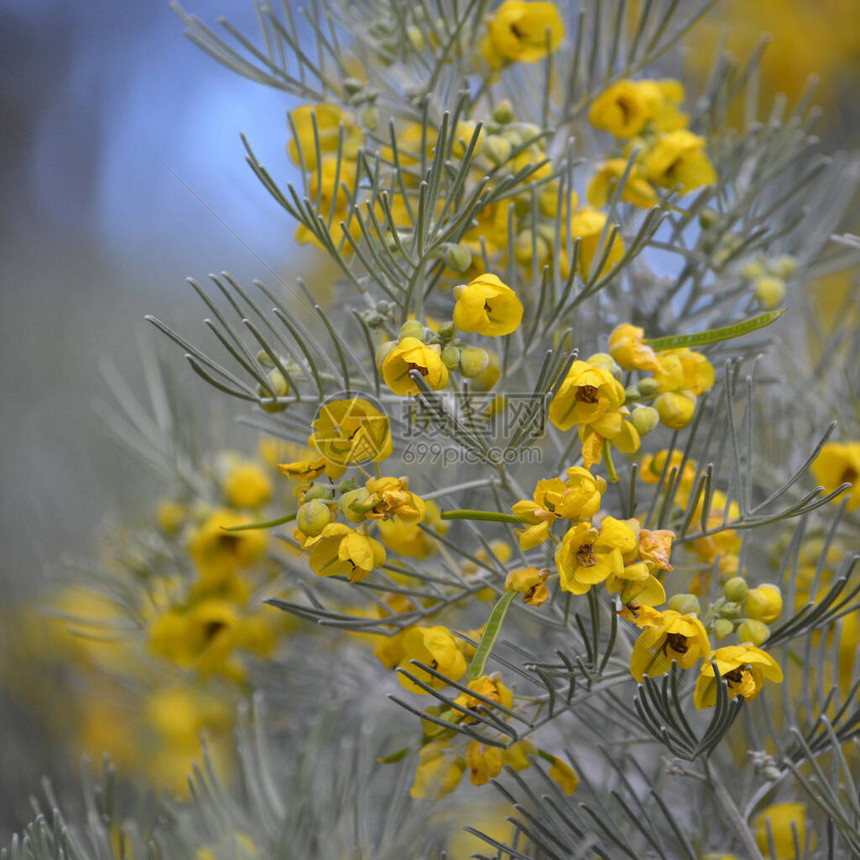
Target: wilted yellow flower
{"points": [[530, 582], [484, 762], [587, 556], [329, 118], [744, 667], [487, 306], [439, 772], [678, 161], [518, 32], [341, 551], [389, 497], [627, 347], [655, 547], [668, 636], [434, 647], [784, 821], [839, 463], [413, 354], [490, 687], [637, 189], [587, 393], [246, 484]]}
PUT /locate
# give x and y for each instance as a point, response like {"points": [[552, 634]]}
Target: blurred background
{"points": [[122, 172]]}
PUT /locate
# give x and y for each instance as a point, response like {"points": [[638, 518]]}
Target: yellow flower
{"points": [[678, 161], [331, 195], [439, 772], [675, 408], [341, 551], [667, 637], [562, 773], [219, 554], [613, 426], [530, 582], [487, 306], [724, 542], [684, 370], [516, 755], [784, 820], [655, 547], [574, 499], [637, 189], [839, 463], [389, 497], [412, 540], [627, 347], [329, 118], [744, 667], [588, 392], [664, 98], [490, 687], [518, 32], [171, 516], [413, 354], [484, 762], [246, 484], [308, 470], [653, 465], [587, 225], [622, 109], [351, 431], [636, 584], [763, 603], [434, 647], [587, 556]]}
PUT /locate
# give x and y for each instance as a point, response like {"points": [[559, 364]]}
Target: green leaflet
{"points": [[401, 754], [715, 334], [491, 635]]}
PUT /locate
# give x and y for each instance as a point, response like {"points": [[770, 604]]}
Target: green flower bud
{"points": [[313, 517], [451, 357], [753, 269], [416, 38], [383, 307], [458, 258], [473, 361], [770, 291], [645, 419], [447, 330], [784, 266], [317, 491], [736, 589], [353, 86], [349, 505], [373, 320], [263, 358], [370, 118], [723, 628], [504, 113], [753, 631], [412, 328], [281, 388], [631, 393], [686, 604], [648, 386], [730, 609], [497, 148], [708, 217], [347, 486]]}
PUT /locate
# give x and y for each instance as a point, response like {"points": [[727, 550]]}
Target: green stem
{"points": [[267, 525], [486, 516], [732, 813], [610, 466]]}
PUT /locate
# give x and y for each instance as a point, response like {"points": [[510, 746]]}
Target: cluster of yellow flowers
{"points": [[646, 118]]}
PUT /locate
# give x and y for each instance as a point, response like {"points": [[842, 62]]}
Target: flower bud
{"points": [[279, 385], [346, 502], [353, 86], [784, 266], [370, 118], [770, 291], [416, 38], [383, 351], [764, 603], [313, 517], [473, 361], [730, 609], [497, 148], [648, 386], [631, 393], [753, 269], [447, 330], [451, 357], [171, 516], [736, 589], [458, 258], [525, 244], [264, 359], [412, 328], [504, 113], [708, 217], [347, 486], [383, 307], [316, 491], [675, 409], [723, 628], [604, 359], [753, 631], [686, 604], [645, 419]]}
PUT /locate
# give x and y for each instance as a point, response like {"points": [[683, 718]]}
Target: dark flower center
{"points": [[587, 393], [677, 642], [585, 555]]}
